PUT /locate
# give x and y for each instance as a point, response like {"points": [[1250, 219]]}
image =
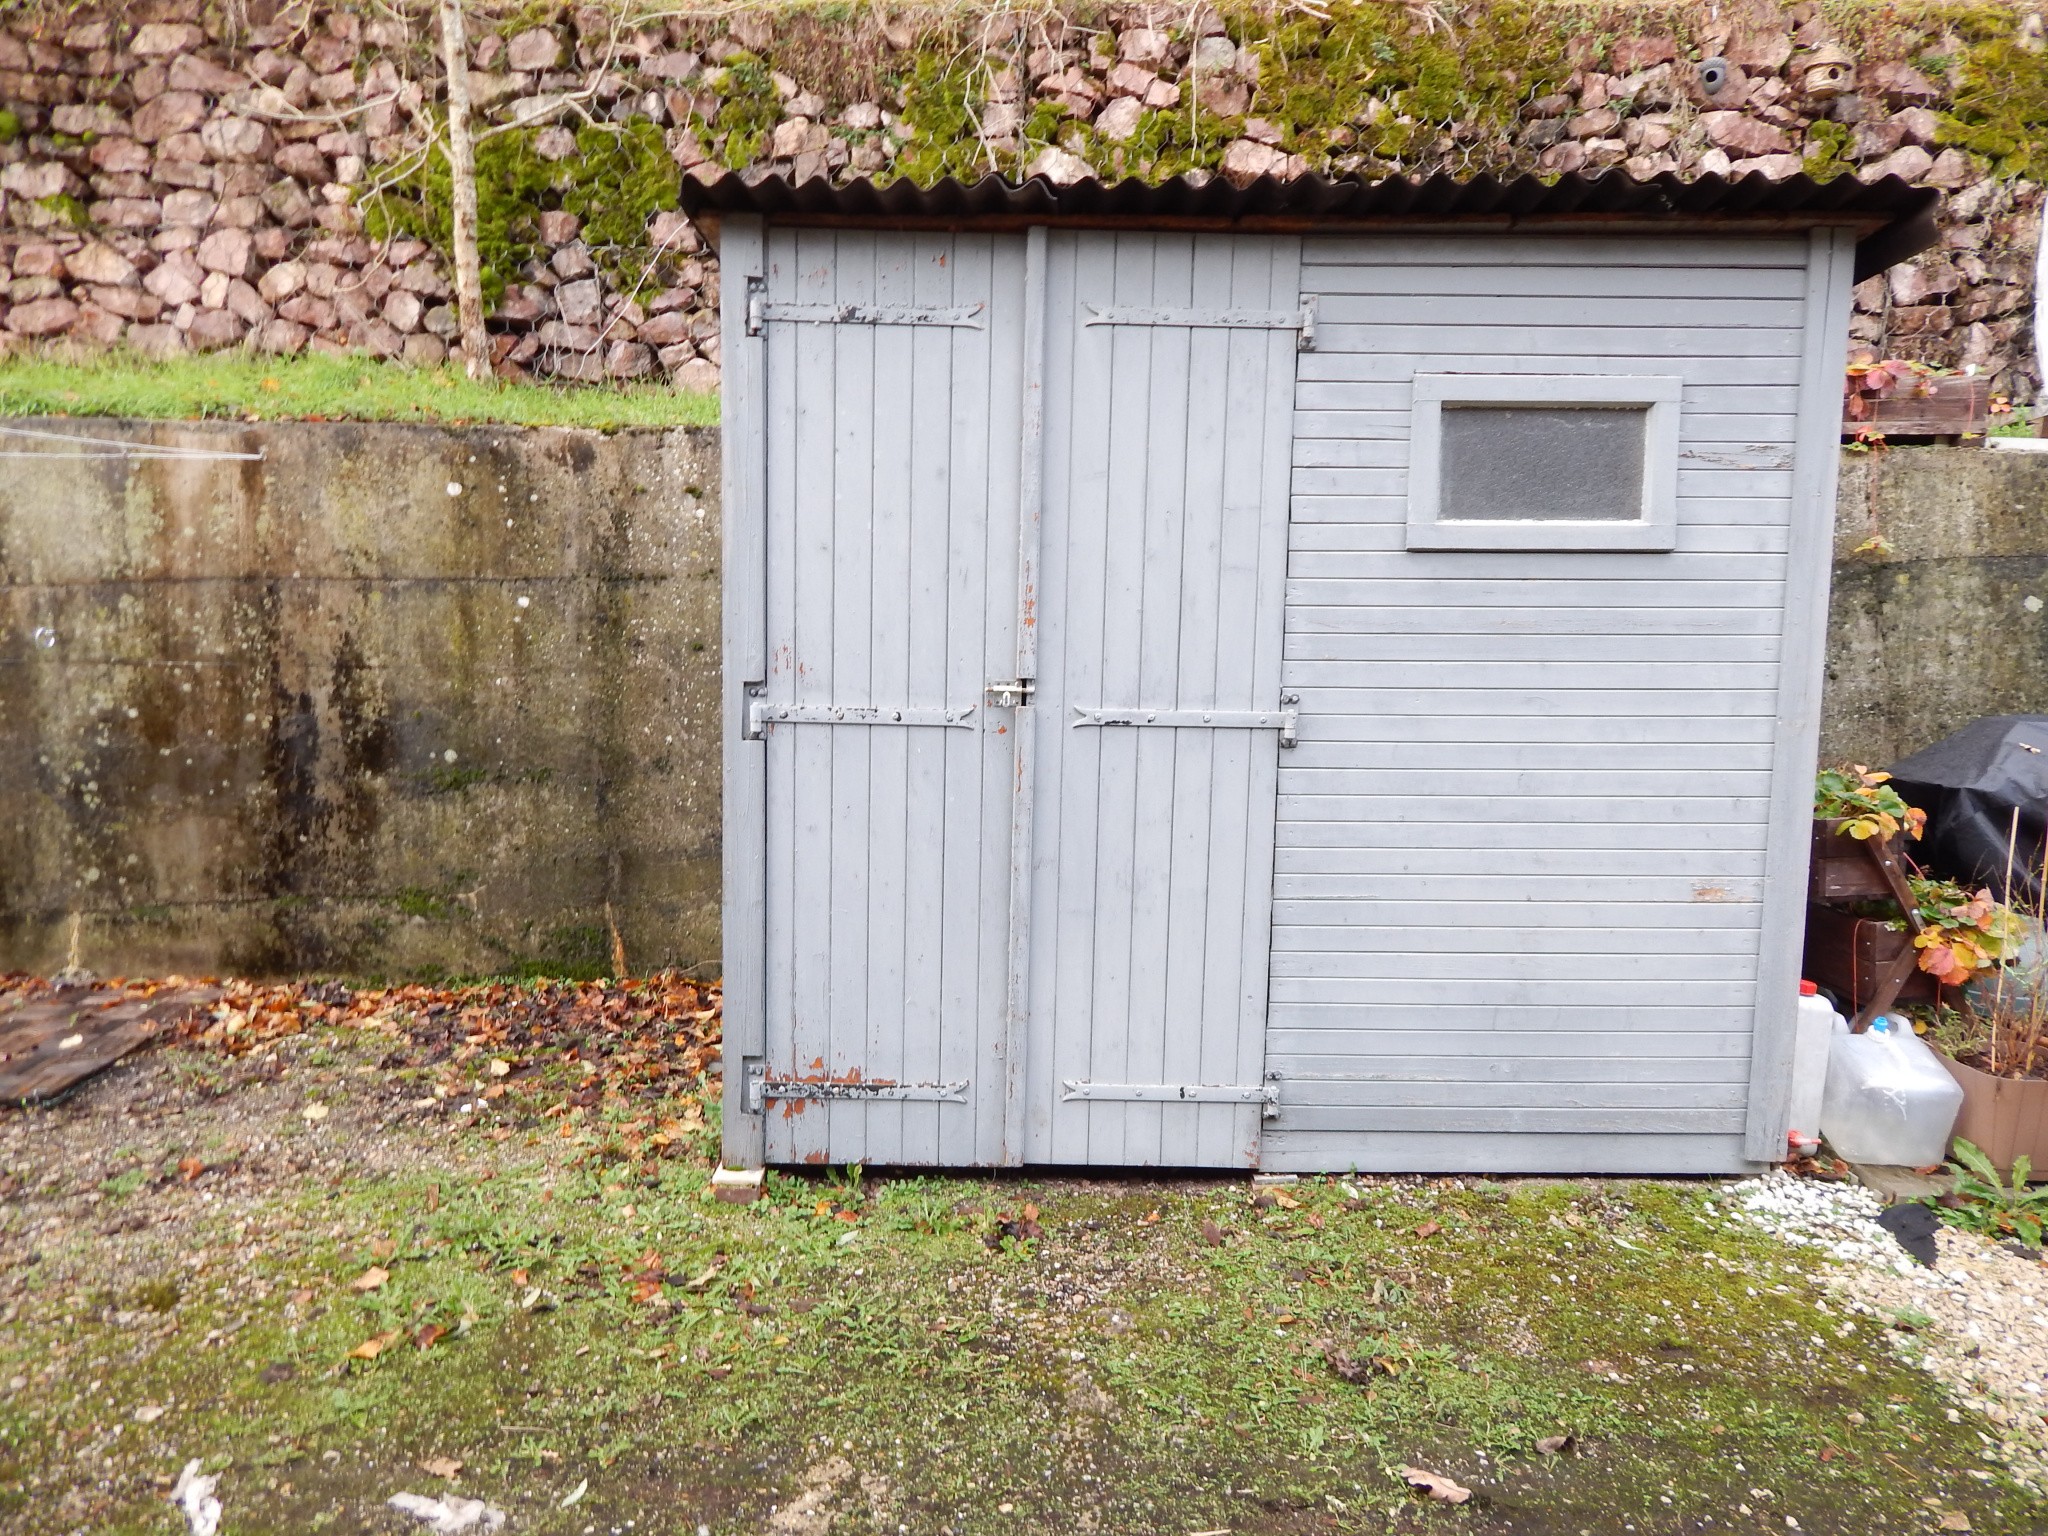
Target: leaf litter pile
{"points": [[562, 1045]]}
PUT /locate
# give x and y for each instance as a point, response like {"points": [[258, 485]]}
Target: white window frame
{"points": [[1656, 529]]}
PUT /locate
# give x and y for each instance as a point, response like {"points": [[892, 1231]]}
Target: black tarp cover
{"points": [[1969, 784]]}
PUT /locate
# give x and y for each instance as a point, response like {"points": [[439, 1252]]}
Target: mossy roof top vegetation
{"points": [[1352, 85]]}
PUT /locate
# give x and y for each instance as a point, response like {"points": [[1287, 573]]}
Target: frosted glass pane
{"points": [[1542, 463]]}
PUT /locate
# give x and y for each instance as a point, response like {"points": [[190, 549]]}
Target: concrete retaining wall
{"points": [[389, 700], [320, 711], [1947, 623]]}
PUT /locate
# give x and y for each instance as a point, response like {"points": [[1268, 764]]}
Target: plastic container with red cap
{"points": [[1817, 1021]]}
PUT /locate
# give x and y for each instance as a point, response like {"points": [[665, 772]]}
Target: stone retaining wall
{"points": [[183, 176]]}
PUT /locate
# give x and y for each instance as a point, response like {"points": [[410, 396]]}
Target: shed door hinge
{"points": [[760, 312], [761, 1089], [1286, 719], [1266, 1095], [763, 716], [1302, 321]]}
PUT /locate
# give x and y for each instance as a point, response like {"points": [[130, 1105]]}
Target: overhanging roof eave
{"points": [[1892, 219]]}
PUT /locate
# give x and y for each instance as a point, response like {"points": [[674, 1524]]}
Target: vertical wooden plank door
{"points": [[891, 373], [1169, 378]]}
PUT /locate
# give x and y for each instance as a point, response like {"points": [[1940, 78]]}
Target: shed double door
{"points": [[1026, 512]]}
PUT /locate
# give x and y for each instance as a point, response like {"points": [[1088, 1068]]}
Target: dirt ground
{"points": [[324, 1258]]}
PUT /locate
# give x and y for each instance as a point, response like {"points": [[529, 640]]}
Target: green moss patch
{"points": [[617, 180], [551, 1300]]}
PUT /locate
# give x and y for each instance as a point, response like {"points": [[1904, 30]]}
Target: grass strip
{"points": [[320, 388]]}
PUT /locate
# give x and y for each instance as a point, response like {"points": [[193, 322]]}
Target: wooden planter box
{"points": [[2007, 1117], [1957, 407], [1841, 869], [1847, 955]]}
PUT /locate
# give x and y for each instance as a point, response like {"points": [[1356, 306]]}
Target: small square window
{"points": [[1543, 462], [1555, 463]]}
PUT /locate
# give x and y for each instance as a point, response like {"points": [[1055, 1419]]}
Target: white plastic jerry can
{"points": [[1888, 1100], [1817, 1021]]}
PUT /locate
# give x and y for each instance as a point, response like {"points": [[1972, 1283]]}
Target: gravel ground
{"points": [[1977, 1321]]}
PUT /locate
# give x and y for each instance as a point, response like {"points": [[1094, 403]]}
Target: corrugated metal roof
{"points": [[1902, 213]]}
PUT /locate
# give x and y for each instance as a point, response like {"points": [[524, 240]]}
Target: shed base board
{"points": [[1434, 1152]]}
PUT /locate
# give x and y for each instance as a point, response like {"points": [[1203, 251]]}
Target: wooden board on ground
{"points": [[52, 1044]]}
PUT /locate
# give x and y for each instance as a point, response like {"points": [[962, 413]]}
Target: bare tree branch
{"points": [[469, 286]]}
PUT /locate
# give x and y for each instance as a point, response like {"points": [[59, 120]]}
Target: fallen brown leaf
{"points": [[371, 1348], [441, 1466], [382, 1248], [429, 1336], [1955, 1520], [1350, 1369], [1212, 1234], [1436, 1485], [370, 1279], [1553, 1445], [1429, 1229], [189, 1168]]}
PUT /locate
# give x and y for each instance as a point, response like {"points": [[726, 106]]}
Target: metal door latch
{"points": [[757, 304], [1010, 694]]}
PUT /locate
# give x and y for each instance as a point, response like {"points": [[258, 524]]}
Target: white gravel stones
{"points": [[1838, 1219], [1977, 1322]]}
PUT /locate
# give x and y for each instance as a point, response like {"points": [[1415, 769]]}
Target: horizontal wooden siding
{"points": [[1521, 847]]}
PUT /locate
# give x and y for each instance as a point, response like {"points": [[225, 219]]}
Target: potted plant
{"points": [[1998, 1050], [1968, 945], [1869, 903], [1900, 397], [1854, 927]]}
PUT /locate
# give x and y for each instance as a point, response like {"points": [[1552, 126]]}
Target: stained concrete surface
{"points": [[318, 713], [1945, 621], [390, 700]]}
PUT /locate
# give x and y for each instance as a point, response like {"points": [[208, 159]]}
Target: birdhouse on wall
{"points": [[1826, 72]]}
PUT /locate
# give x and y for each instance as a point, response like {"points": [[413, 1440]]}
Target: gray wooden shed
{"points": [[1311, 676]]}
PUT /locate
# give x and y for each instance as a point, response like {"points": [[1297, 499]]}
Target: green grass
{"points": [[327, 388], [1151, 1357]]}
